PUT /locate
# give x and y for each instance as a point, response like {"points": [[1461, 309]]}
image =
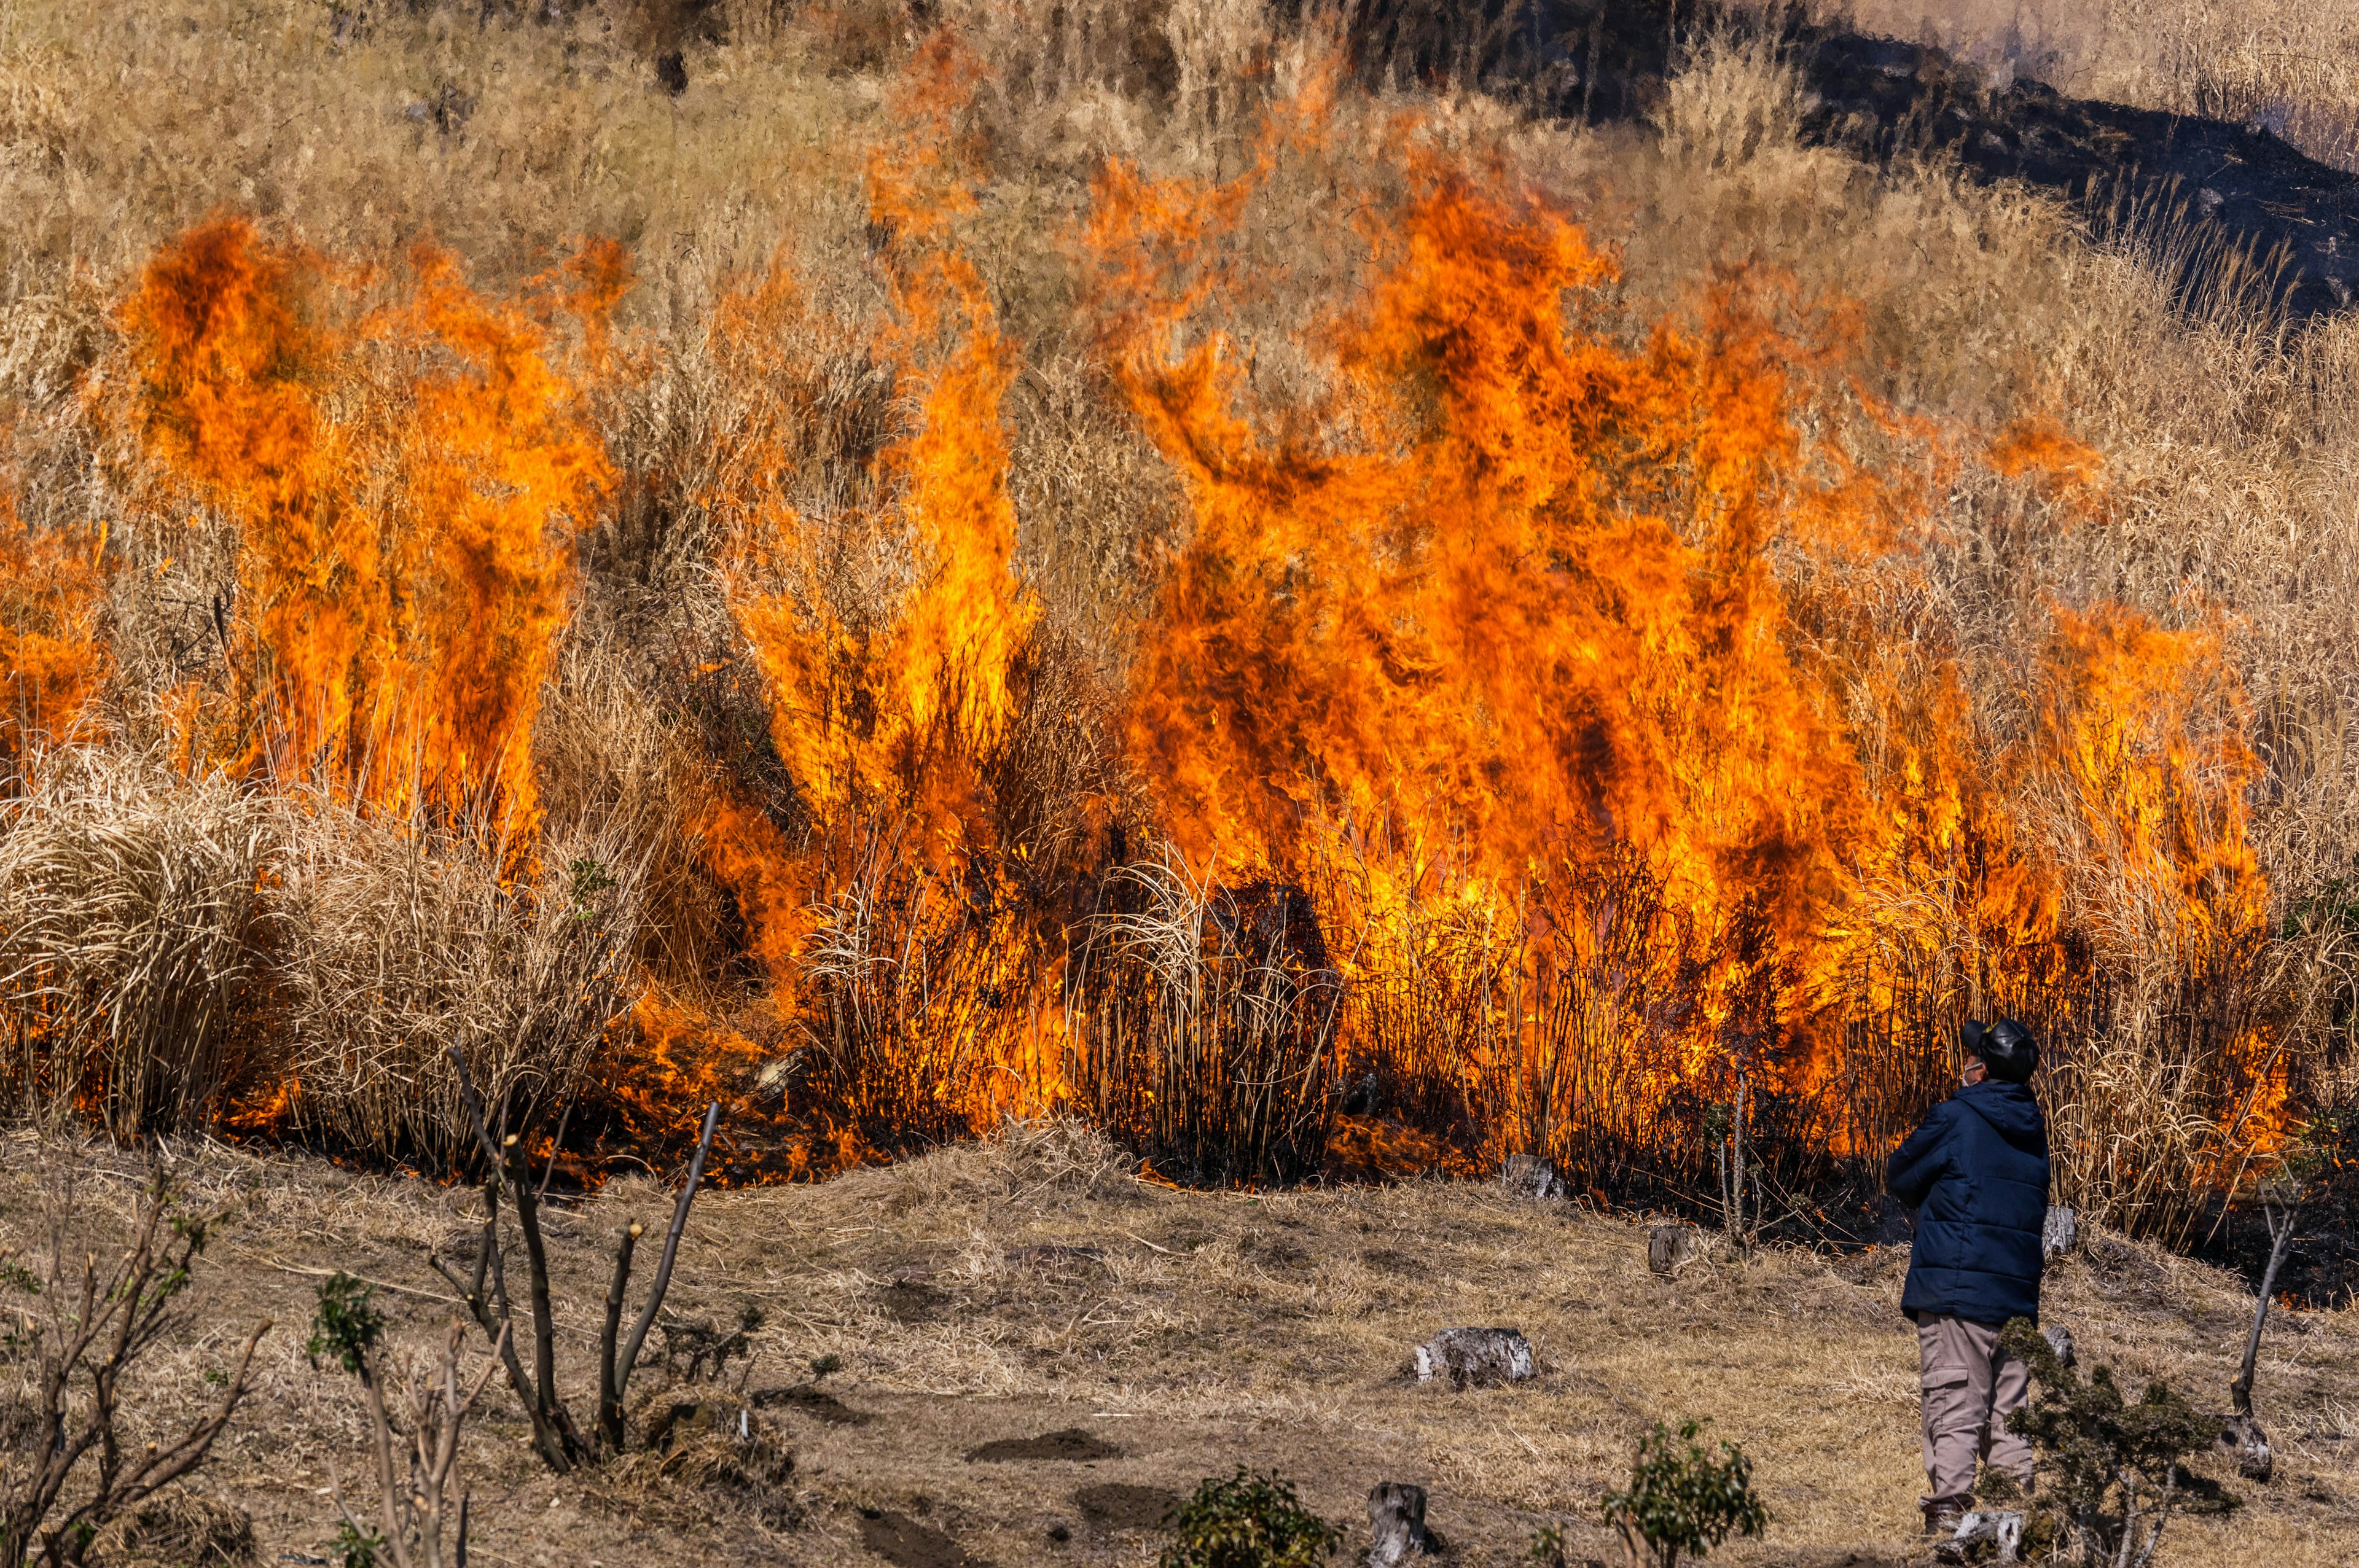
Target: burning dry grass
{"points": [[1029, 1284], [1098, 565]]}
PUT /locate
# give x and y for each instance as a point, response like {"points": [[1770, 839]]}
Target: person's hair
{"points": [[2006, 1049]]}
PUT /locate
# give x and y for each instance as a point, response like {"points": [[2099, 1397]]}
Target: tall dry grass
{"points": [[132, 929], [182, 953], [405, 939], [2226, 499], [1205, 1019]]}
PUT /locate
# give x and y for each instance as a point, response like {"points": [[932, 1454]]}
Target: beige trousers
{"points": [[1970, 1386]]}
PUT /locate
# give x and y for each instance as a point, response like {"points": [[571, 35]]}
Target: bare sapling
{"points": [[1732, 1148], [2242, 1434], [561, 1442], [81, 1339], [411, 1512]]}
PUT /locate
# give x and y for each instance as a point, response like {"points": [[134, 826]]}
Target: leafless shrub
{"points": [[560, 1442], [413, 1499], [71, 1462]]}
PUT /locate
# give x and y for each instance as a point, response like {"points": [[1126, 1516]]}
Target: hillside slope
{"points": [[1196, 1332]]}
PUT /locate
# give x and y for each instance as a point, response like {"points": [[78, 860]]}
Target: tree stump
{"points": [[2057, 1234], [2059, 1340], [1475, 1358], [2242, 1436], [1669, 1246], [1396, 1520], [1528, 1175]]}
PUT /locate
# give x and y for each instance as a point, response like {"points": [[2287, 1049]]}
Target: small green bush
{"points": [[2110, 1472], [1682, 1497], [355, 1547], [1247, 1522], [346, 1328]]}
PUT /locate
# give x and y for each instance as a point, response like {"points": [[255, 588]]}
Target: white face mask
{"points": [[1976, 1071]]}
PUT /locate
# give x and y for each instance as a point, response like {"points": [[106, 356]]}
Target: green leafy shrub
{"points": [[2110, 1472], [1247, 1522], [346, 1326], [355, 1546], [1683, 1498]]}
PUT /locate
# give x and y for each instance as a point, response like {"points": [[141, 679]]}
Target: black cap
{"points": [[2007, 1049]]}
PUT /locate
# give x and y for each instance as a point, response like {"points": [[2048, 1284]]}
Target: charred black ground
{"points": [[2221, 192]]}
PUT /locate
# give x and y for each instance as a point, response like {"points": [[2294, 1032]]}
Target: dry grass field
{"points": [[1151, 568], [627, 529], [1013, 1289]]}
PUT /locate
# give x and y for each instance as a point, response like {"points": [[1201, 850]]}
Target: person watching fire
{"points": [[1975, 1172]]}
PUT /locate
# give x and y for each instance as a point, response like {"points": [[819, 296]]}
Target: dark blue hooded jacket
{"points": [[1976, 1171]]}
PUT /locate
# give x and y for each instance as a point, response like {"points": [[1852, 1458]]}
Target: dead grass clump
{"points": [[612, 763], [1025, 1162], [404, 938], [850, 37], [131, 924], [180, 1529], [705, 1447]]}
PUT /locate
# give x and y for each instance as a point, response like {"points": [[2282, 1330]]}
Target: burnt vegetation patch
{"points": [[1069, 1446], [2229, 202]]}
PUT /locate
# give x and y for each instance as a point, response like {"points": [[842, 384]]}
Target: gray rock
{"points": [[1475, 1358], [1672, 1246], [2059, 1340], [2057, 1233], [2002, 1530], [2242, 1436]]}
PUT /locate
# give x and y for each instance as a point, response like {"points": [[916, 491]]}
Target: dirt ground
{"points": [[1038, 1352]]}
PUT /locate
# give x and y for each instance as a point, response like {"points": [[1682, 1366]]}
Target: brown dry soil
{"points": [[1039, 1353]]}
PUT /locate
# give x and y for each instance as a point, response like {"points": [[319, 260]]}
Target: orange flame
{"points": [[50, 583], [1554, 649], [877, 719], [401, 476]]}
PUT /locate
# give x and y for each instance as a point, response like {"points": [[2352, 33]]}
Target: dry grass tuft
{"points": [[132, 923], [406, 940], [181, 1528]]}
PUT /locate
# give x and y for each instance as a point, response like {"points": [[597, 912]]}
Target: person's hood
{"points": [[2011, 1109]]}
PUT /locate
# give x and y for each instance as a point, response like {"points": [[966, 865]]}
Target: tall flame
{"points": [[894, 716], [1524, 596], [402, 477]]}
